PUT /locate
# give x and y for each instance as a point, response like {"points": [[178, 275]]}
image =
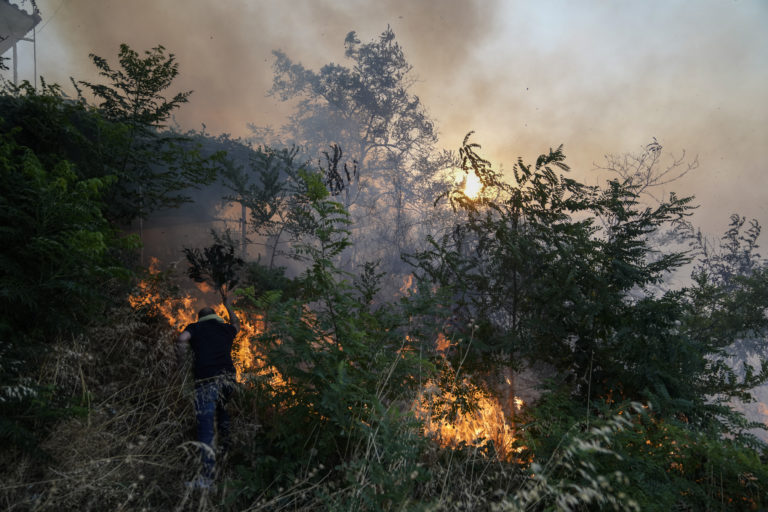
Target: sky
{"points": [[598, 76]]}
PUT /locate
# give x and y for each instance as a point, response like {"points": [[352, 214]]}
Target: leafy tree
{"points": [[55, 258], [344, 366], [548, 283], [123, 138], [55, 128], [734, 266], [152, 166], [270, 191], [368, 110], [735, 256], [55, 242], [133, 95]]}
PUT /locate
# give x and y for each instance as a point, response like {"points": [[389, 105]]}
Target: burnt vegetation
{"points": [[636, 381]]}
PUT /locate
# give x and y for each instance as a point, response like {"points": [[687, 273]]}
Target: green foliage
{"points": [[271, 189], [347, 372], [55, 257], [544, 282], [547, 284], [152, 166], [542, 271], [663, 464], [134, 94], [734, 268], [55, 243], [147, 169], [56, 128]]}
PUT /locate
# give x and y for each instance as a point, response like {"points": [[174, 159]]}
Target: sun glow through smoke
{"points": [[472, 186]]}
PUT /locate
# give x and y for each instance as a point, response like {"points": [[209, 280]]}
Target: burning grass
{"points": [[130, 447], [484, 421]]}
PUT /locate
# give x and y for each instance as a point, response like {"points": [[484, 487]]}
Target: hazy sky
{"points": [[597, 76]]}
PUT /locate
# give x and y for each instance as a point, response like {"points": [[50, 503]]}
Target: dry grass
{"points": [[132, 447], [129, 449]]}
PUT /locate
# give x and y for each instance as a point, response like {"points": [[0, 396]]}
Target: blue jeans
{"points": [[211, 397]]}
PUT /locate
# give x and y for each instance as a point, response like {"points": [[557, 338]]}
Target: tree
{"points": [[56, 257], [152, 166], [269, 191], [54, 127], [368, 111], [55, 242], [548, 284], [345, 368]]}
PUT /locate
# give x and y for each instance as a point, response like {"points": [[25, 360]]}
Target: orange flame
{"points": [[486, 422], [180, 312], [204, 287], [407, 285], [443, 343]]}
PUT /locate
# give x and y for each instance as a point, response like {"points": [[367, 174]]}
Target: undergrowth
{"points": [[129, 446]]}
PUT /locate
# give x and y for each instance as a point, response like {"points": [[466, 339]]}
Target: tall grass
{"points": [[131, 447]]}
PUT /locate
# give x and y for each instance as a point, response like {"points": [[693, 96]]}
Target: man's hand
{"points": [[182, 342], [228, 305]]}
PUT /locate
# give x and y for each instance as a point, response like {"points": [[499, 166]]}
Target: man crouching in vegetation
{"points": [[211, 341]]}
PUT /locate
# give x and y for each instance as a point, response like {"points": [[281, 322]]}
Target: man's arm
{"points": [[231, 312], [182, 343]]}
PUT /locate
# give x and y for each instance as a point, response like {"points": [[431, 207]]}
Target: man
{"points": [[211, 341]]}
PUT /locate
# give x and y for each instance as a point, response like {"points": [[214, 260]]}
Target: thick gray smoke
{"points": [[598, 77]]}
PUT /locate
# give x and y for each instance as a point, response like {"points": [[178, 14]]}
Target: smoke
{"points": [[224, 48], [602, 77]]}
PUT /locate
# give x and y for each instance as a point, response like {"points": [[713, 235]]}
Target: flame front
{"points": [[487, 420], [180, 312]]}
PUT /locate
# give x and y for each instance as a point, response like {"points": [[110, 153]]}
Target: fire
{"points": [[443, 343], [204, 287], [407, 286], [487, 421], [182, 311]]}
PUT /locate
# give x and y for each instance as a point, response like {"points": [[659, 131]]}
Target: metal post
{"points": [[34, 53], [15, 71]]}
